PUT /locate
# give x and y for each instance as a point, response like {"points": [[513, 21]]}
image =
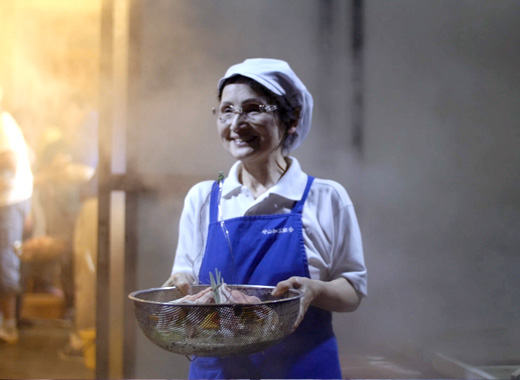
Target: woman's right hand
{"points": [[183, 281]]}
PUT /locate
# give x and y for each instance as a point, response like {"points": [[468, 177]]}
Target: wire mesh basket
{"points": [[215, 329]]}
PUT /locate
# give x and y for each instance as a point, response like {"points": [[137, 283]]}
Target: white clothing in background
{"points": [[21, 181]]}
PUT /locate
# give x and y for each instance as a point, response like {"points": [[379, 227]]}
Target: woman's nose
{"points": [[237, 121]]}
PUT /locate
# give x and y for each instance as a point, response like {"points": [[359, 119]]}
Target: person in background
{"points": [[286, 228], [16, 187], [84, 139], [58, 194], [63, 177], [85, 269]]}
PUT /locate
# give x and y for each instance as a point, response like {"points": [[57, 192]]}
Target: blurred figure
{"points": [[16, 187], [85, 259], [80, 157], [85, 254], [66, 167], [57, 186]]}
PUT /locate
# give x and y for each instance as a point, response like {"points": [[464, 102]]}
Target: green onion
{"points": [[216, 282]]}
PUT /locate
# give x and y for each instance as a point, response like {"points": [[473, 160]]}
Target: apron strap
{"points": [[214, 202], [298, 207]]}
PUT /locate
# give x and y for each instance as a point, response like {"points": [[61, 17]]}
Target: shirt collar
{"points": [[231, 184], [290, 186]]}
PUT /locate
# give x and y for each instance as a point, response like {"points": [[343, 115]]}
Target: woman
{"points": [[281, 227]]}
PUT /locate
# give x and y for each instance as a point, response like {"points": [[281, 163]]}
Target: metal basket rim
{"points": [[134, 297]]}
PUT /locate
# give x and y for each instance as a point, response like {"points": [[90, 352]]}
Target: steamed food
{"points": [[199, 320], [223, 294]]}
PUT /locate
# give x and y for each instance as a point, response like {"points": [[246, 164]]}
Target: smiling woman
{"points": [[283, 228]]}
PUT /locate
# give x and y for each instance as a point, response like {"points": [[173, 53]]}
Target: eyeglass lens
{"points": [[250, 111]]}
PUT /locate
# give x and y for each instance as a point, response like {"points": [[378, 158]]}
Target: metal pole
{"points": [[104, 172]]}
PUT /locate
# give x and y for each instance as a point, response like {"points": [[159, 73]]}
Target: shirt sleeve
{"points": [[333, 235], [348, 259], [193, 230]]}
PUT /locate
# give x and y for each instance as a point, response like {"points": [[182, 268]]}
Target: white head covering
{"points": [[278, 77]]}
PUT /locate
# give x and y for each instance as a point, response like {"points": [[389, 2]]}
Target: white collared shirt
{"points": [[331, 232]]}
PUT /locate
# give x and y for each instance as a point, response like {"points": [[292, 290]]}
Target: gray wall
{"points": [[436, 188], [441, 183]]}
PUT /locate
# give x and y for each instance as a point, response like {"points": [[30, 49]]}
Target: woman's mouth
{"points": [[243, 140]]}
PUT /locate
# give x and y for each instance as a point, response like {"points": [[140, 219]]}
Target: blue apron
{"points": [[264, 250]]}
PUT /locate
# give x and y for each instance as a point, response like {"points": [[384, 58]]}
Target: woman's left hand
{"points": [[336, 295], [302, 284]]}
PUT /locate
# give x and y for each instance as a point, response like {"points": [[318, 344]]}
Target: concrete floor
{"points": [[35, 356], [358, 365]]}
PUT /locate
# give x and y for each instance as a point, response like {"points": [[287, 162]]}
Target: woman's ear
{"points": [[294, 124], [292, 129]]}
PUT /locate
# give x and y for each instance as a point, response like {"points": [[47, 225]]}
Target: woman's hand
{"points": [[336, 295], [183, 281], [305, 286]]}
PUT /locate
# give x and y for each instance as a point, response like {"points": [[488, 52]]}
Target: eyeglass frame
{"points": [[263, 108]]}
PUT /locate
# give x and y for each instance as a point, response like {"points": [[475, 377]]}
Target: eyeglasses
{"points": [[250, 111]]}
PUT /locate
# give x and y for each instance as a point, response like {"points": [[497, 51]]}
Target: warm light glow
{"points": [[49, 68], [60, 5], [49, 55]]}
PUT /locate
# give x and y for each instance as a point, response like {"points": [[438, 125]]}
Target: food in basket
{"points": [[240, 317], [222, 294], [215, 329]]}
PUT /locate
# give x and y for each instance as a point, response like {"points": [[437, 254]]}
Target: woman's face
{"points": [[248, 138]]}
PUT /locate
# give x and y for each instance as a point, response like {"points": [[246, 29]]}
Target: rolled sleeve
{"points": [[348, 260], [193, 230]]}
